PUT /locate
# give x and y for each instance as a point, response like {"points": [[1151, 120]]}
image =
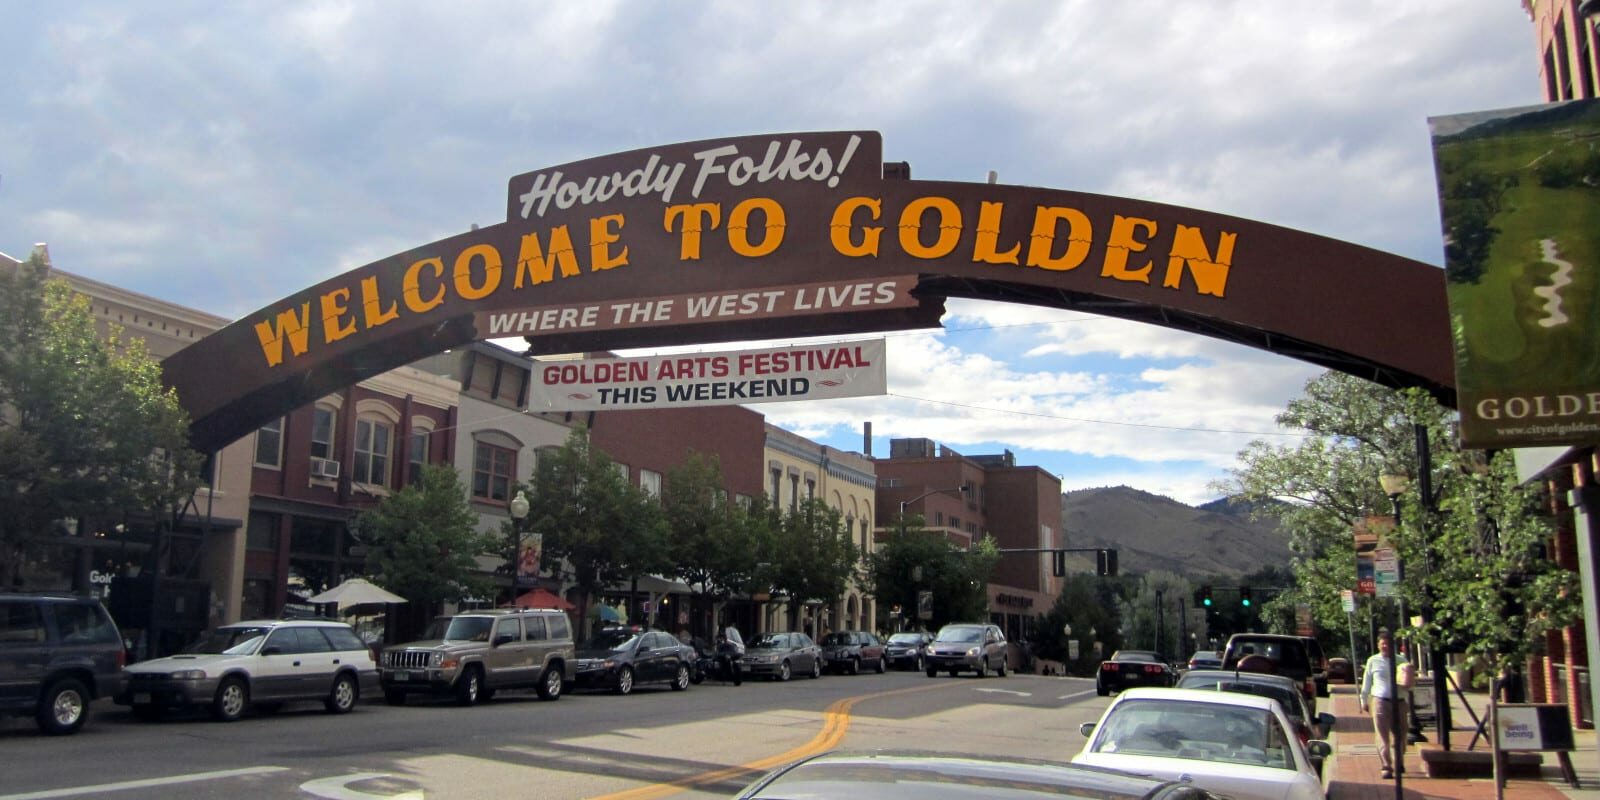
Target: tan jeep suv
{"points": [[476, 653]]}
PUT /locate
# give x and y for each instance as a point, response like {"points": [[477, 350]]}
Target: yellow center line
{"points": [[836, 724]]}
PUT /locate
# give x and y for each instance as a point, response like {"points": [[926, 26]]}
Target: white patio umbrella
{"points": [[357, 592]]}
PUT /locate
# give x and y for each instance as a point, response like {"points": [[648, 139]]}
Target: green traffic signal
{"points": [[1244, 596]]}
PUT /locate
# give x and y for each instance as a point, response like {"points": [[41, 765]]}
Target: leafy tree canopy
{"points": [[422, 541]]}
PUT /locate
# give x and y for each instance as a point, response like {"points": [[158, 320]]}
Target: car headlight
{"points": [[189, 675], [972, 651], [438, 659]]}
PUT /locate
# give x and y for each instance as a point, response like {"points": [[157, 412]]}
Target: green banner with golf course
{"points": [[1519, 194]]}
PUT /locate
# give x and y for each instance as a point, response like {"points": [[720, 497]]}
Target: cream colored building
{"points": [[799, 469]]}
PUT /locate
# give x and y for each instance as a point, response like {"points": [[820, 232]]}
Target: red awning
{"points": [[542, 598]]}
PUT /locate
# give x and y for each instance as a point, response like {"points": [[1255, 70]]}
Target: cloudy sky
{"points": [[224, 155]]}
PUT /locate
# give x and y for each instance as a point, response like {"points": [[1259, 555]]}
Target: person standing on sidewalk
{"points": [[1386, 719]]}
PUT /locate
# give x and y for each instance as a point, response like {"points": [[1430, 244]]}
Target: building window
{"points": [[269, 444], [811, 489], [493, 470], [498, 381], [322, 432], [777, 485], [622, 470], [261, 533], [650, 482], [938, 519], [794, 492], [372, 452], [417, 455]]}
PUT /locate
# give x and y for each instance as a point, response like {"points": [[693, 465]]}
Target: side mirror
{"points": [[1087, 729], [272, 650], [1319, 748]]}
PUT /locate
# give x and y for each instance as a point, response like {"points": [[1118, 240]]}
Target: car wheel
{"points": [[934, 673], [784, 672], [625, 681], [550, 684], [394, 697], [149, 712], [1102, 691], [983, 667], [883, 666], [63, 708], [468, 687], [855, 666], [233, 696], [342, 699], [680, 681], [1000, 671], [919, 665], [816, 670]]}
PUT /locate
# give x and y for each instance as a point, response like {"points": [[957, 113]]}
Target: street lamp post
{"points": [[519, 512], [963, 488], [1395, 485]]}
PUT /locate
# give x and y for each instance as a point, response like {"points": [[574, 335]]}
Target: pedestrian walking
{"points": [[1388, 721]]}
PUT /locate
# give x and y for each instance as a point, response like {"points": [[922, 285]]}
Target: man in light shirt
{"points": [[1375, 695]]}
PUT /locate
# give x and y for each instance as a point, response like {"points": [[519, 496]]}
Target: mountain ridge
{"points": [[1154, 532]]}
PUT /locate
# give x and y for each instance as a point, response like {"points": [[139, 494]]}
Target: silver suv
{"points": [[967, 646], [476, 653], [58, 652]]}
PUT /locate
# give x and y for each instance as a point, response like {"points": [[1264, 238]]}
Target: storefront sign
{"points": [[1534, 726]]}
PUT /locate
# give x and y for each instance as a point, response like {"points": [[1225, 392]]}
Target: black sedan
{"points": [[906, 649], [1129, 668], [621, 658]]}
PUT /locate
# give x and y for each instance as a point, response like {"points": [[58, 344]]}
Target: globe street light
{"points": [[519, 512]]}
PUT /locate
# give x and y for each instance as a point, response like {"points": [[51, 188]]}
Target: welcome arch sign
{"points": [[798, 234]]}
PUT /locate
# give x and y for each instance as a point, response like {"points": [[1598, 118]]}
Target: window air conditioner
{"points": [[324, 468]]}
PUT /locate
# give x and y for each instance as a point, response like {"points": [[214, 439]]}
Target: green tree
{"points": [[1089, 605], [86, 428], [914, 559], [603, 530], [1477, 529], [813, 556], [423, 542], [714, 544]]}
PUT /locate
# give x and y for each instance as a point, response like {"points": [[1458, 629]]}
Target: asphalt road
{"points": [[709, 741]]}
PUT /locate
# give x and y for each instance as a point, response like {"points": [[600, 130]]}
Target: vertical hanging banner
{"points": [[815, 372], [1519, 193]]}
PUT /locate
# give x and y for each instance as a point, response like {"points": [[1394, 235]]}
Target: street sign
{"points": [[1347, 599], [924, 604], [1072, 649]]}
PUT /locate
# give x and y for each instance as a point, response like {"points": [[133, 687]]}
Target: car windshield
{"points": [[1135, 655], [960, 634], [771, 640], [1198, 731], [612, 639], [906, 638], [466, 629], [231, 641], [836, 639]]}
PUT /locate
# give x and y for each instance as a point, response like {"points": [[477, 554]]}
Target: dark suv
{"points": [[1287, 655], [58, 652], [849, 651]]}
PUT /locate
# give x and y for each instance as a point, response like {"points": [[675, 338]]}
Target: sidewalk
{"points": [[1351, 773]]}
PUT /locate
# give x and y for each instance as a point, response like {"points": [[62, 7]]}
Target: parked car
{"points": [[1205, 659], [1287, 656], [1129, 668], [781, 655], [849, 651], [1239, 745], [263, 662], [621, 658], [1319, 664], [474, 654], [1340, 670], [1307, 725], [967, 647], [906, 649], [933, 776], [58, 653]]}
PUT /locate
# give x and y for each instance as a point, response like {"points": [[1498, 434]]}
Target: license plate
{"points": [[1130, 676], [141, 699], [402, 675]]}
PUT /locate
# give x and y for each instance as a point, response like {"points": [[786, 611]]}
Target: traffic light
{"points": [[1244, 596], [1106, 562], [1203, 597], [1058, 563]]}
